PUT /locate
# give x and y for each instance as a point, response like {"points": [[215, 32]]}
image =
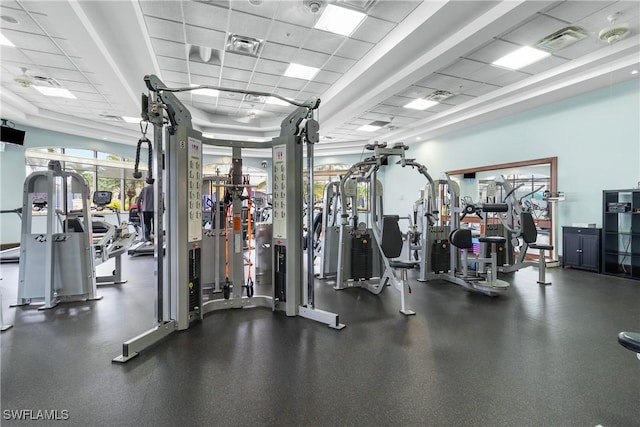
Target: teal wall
{"points": [[596, 137]]}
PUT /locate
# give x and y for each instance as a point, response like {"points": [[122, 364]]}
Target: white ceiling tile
{"points": [[310, 58], [574, 11], [50, 60], [245, 24], [279, 52], [545, 64], [317, 88], [354, 49], [166, 9], [259, 87], [339, 64], [323, 41], [271, 67], [291, 83], [240, 61], [203, 80], [233, 84], [31, 41], [534, 30], [172, 64], [207, 70], [462, 68], [204, 37], [488, 73], [63, 74], [582, 47], [85, 96], [458, 99], [328, 77], [168, 48], [265, 79], [288, 34], [164, 29], [289, 93], [77, 86], [394, 11], [14, 55], [181, 78], [507, 78], [373, 30], [205, 16], [236, 74]]}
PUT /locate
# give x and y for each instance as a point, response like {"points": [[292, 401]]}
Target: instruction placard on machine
{"points": [[280, 191], [194, 184]]}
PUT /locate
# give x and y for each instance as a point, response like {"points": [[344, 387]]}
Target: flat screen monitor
{"points": [[12, 135]]}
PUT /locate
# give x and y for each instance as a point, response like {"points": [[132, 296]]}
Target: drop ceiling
{"points": [[403, 50]]}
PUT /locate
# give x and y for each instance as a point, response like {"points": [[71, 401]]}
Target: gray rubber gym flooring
{"points": [[534, 357]]}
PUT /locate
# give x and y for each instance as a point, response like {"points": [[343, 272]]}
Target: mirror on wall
{"points": [[533, 181]]}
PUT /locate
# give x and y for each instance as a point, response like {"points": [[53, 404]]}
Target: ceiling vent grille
{"points": [[562, 38], [254, 98], [243, 45], [439, 95]]}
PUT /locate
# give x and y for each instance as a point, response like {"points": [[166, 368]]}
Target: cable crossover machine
{"points": [[177, 164]]}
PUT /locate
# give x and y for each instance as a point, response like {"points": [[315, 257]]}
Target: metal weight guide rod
{"points": [[178, 161]]}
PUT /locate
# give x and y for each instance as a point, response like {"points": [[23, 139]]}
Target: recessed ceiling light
{"points": [[420, 104], [418, 138], [634, 71], [277, 101], [131, 119], [301, 71], [5, 41], [204, 92], [369, 128], [339, 20], [54, 91], [520, 58]]}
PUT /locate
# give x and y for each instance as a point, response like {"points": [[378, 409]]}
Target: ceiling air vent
{"points": [[439, 95], [254, 98], [363, 5], [243, 45], [562, 38]]}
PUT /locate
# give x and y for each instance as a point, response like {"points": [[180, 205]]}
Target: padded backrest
{"points": [[529, 232], [461, 238], [391, 236]]}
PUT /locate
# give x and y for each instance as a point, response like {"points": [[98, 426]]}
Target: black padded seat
{"points": [[630, 340], [461, 238], [401, 264], [541, 246], [492, 239]]}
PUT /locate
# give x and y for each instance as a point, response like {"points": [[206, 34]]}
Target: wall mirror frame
{"points": [[519, 171]]}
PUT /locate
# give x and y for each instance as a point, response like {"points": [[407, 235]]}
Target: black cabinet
{"points": [[581, 248], [621, 233]]}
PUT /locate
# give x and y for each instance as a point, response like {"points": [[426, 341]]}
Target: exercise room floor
{"points": [[533, 357]]}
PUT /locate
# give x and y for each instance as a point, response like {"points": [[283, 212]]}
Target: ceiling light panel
{"points": [[339, 20], [300, 71], [4, 41], [420, 104], [521, 58], [369, 128], [54, 91], [243, 45]]}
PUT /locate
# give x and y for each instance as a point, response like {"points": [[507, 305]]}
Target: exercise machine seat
{"points": [[530, 233], [630, 340], [391, 236], [492, 239], [401, 264], [461, 238]]}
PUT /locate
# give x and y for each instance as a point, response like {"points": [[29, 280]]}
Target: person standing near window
{"points": [[145, 208]]}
